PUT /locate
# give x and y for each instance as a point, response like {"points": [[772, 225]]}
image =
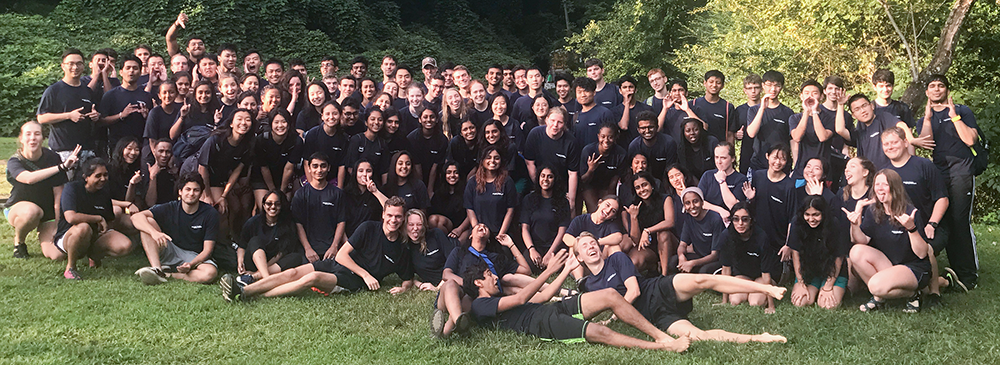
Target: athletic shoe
{"points": [[954, 284], [932, 300], [438, 319], [151, 275], [245, 279], [72, 274], [21, 251], [913, 304], [229, 287], [464, 323]]}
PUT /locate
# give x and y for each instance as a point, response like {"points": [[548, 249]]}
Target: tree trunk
{"points": [[939, 64]]}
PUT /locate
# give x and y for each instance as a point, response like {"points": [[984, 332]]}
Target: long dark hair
{"points": [[392, 182], [285, 214], [503, 140], [118, 166], [818, 244], [651, 210], [735, 243], [443, 188], [686, 153], [501, 174], [213, 104], [351, 185], [559, 203]]}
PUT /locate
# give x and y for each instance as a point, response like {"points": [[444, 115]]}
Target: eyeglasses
{"points": [[272, 204], [743, 219]]}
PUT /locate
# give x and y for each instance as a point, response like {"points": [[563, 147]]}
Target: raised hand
{"points": [[181, 20], [593, 160], [218, 116], [94, 114], [814, 186], [185, 109], [633, 210], [749, 191], [76, 114], [135, 178], [684, 104], [906, 220], [73, 157], [505, 240]]}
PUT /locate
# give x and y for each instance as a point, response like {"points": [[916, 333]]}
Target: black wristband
{"points": [[933, 224], [912, 230]]}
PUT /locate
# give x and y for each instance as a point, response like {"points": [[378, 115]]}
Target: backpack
{"points": [[191, 140], [980, 154]]}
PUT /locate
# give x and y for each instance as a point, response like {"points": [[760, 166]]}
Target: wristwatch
{"points": [[933, 224]]}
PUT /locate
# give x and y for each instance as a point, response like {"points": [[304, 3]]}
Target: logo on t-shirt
{"points": [[612, 276], [779, 121], [498, 193], [905, 182], [706, 234], [361, 149], [560, 155], [895, 232], [99, 207], [718, 116], [195, 227], [389, 258], [751, 253], [873, 135], [329, 204], [431, 253], [777, 200]]}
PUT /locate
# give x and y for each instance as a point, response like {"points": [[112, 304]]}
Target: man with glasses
{"points": [[67, 107]]}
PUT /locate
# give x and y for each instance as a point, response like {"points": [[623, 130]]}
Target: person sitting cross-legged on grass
{"points": [[665, 300], [269, 241], [564, 321], [179, 236], [85, 222], [375, 250]]}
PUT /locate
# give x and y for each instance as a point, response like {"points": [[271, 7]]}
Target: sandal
{"points": [[872, 305], [913, 304]]}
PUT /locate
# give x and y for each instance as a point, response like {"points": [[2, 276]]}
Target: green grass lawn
{"points": [[112, 318]]}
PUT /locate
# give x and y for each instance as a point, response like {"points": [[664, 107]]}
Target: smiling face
{"points": [[692, 130], [776, 160], [562, 89], [595, 73], [813, 217], [453, 98], [316, 94], [403, 166], [331, 116], [403, 78], [279, 126], [494, 76], [588, 251], [168, 92], [97, 179], [855, 173], [657, 81], [451, 175], [392, 218], [492, 161], [31, 136], [605, 140], [813, 169], [643, 188], [414, 227], [883, 90], [554, 124], [131, 152], [676, 179], [546, 178], [248, 103], [183, 86], [540, 107], [478, 93], [203, 94], [520, 81], [270, 99], [273, 73], [415, 97], [647, 129], [190, 193], [347, 86], [491, 133], [499, 107], [894, 147], [162, 152], [229, 87], [882, 189], [639, 163], [428, 119], [693, 204], [374, 121], [468, 130], [607, 209], [318, 169], [392, 124], [831, 90], [272, 205], [363, 174], [584, 96], [228, 59], [251, 83], [862, 110], [713, 85], [241, 123], [368, 89]]}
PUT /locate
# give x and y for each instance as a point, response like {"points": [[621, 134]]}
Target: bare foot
{"points": [[767, 337], [676, 345], [777, 292]]}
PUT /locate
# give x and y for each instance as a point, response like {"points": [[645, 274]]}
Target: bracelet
{"points": [[912, 230], [62, 167], [530, 247], [831, 289], [957, 118], [933, 224]]}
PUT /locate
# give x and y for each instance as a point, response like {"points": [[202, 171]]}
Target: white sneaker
{"points": [[151, 276]]}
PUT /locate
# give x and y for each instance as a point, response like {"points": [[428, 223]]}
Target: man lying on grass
{"points": [[564, 321], [664, 300], [374, 251]]}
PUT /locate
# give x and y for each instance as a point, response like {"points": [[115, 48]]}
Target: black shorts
{"points": [[346, 278], [658, 302], [921, 270], [561, 321]]}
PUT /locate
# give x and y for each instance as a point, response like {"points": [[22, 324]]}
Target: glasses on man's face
{"points": [[272, 204], [742, 219], [77, 64]]}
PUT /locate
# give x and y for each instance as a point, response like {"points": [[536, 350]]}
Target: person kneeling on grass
{"points": [[375, 250], [665, 300], [179, 236], [86, 218], [564, 321]]}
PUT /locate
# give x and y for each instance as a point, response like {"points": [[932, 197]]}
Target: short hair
{"points": [[227, 47], [448, 65], [781, 146], [71, 51], [178, 75], [730, 146], [857, 97], [334, 103], [274, 61], [296, 62], [646, 115], [593, 62], [318, 156], [496, 66], [131, 57], [678, 81], [211, 57], [395, 201], [190, 177], [773, 76], [332, 59], [437, 76], [399, 68], [164, 139], [247, 76], [517, 68], [884, 75], [91, 165], [938, 77], [461, 68], [145, 47], [358, 59], [833, 79], [585, 83], [110, 52], [751, 79], [564, 76], [655, 71], [347, 77], [351, 102], [894, 131], [628, 79], [252, 51], [155, 55], [811, 82], [715, 73], [470, 275]]}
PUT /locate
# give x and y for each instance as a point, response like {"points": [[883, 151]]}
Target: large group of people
{"points": [[469, 187]]}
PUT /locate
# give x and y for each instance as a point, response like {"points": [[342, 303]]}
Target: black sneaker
{"points": [[464, 323], [912, 304], [932, 300], [245, 279], [954, 284], [21, 251]]}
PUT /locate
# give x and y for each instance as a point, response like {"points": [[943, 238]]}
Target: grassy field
{"points": [[111, 318]]}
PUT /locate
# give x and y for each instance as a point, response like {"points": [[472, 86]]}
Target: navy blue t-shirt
{"points": [[335, 147], [809, 144], [889, 237], [491, 205], [701, 234], [951, 155], [114, 102], [750, 258], [626, 136], [617, 268], [75, 197], [158, 122], [583, 223], [609, 166], [379, 256], [897, 109], [543, 221], [41, 193], [712, 191], [609, 96], [660, 154], [60, 97], [428, 151], [360, 147], [923, 184], [773, 129], [868, 138], [319, 212], [588, 124], [430, 263], [188, 231], [721, 116], [773, 206], [561, 154], [275, 156]]}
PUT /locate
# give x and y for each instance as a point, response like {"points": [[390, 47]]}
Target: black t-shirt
{"points": [[868, 138], [609, 166], [889, 237], [673, 122], [335, 147], [712, 191], [809, 145], [395, 143], [583, 223], [897, 109], [428, 151], [375, 253], [651, 210], [659, 155], [464, 155], [588, 124], [841, 239], [773, 206], [701, 234], [196, 118], [491, 205], [951, 155], [414, 193], [360, 147], [609, 96], [188, 231], [41, 192], [697, 162], [429, 265], [281, 238], [626, 136], [364, 207], [617, 269], [158, 122], [543, 221], [479, 117], [450, 205], [407, 121], [114, 102], [221, 157], [773, 129], [720, 116], [275, 156], [75, 197], [60, 97], [308, 119], [923, 184], [319, 212], [561, 154], [517, 319], [461, 258], [749, 258], [165, 190]]}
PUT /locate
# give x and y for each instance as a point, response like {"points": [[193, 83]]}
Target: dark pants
{"points": [[962, 244], [287, 260], [709, 268]]}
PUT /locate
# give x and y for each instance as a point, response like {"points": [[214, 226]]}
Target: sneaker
{"points": [[932, 300], [438, 319], [151, 275], [72, 274], [954, 284], [464, 323], [21, 251], [230, 288], [245, 279], [913, 304]]}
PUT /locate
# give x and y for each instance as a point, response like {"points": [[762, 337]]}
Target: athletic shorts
{"points": [[921, 270], [48, 213], [561, 321], [61, 244], [659, 304], [818, 282], [176, 256], [346, 278]]}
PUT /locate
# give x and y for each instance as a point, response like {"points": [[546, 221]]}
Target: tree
{"points": [[943, 52]]}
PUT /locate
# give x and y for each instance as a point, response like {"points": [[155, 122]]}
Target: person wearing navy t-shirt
{"points": [[490, 196], [429, 250], [695, 253], [429, 147], [603, 224], [605, 94], [278, 151], [650, 218], [884, 81], [68, 107], [719, 114], [866, 134], [820, 248], [723, 186], [771, 194], [160, 119], [659, 148], [604, 162], [369, 145], [696, 149], [658, 82], [626, 114], [767, 122], [520, 108], [751, 88], [544, 217], [588, 119], [744, 252], [552, 146], [330, 139], [319, 211], [124, 108], [811, 133], [889, 254], [676, 109], [179, 235]]}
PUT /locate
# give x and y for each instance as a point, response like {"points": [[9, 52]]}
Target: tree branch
{"points": [[943, 52], [902, 38]]}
